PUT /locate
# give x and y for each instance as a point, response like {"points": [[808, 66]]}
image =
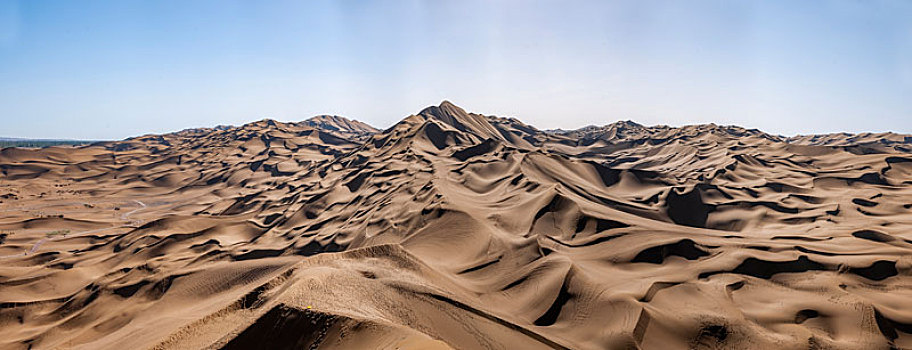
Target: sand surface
{"points": [[453, 230]]}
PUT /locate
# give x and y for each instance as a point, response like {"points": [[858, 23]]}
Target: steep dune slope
{"points": [[457, 230]]}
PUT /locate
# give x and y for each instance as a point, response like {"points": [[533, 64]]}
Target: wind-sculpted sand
{"points": [[453, 230]]}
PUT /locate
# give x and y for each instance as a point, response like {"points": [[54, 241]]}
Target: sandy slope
{"points": [[458, 230]]}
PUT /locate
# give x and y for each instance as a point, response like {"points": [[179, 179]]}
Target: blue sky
{"points": [[113, 69]]}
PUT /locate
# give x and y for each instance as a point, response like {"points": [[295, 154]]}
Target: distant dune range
{"points": [[37, 143], [458, 230]]}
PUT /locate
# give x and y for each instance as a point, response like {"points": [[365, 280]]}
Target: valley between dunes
{"points": [[455, 230]]}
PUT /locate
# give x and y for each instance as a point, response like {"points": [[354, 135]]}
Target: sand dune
{"points": [[454, 230]]}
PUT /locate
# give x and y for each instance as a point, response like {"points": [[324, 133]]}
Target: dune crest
{"points": [[456, 230]]}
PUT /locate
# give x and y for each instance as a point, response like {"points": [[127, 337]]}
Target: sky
{"points": [[114, 69]]}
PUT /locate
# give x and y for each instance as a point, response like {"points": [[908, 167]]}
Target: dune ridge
{"points": [[456, 230]]}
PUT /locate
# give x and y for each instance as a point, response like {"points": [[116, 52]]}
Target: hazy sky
{"points": [[113, 69]]}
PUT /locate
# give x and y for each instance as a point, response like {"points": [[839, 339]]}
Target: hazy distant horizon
{"points": [[113, 69]]}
